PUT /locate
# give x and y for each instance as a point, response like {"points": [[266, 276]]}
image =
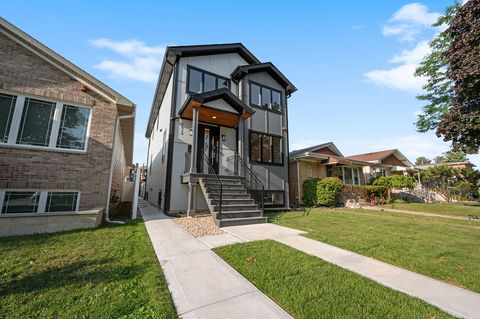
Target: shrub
{"points": [[309, 187], [328, 191], [376, 191]]}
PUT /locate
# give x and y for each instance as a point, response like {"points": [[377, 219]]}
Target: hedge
{"points": [[367, 191], [329, 190], [309, 197]]}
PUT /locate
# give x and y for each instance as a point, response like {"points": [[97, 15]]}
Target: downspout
{"points": [[109, 190]]}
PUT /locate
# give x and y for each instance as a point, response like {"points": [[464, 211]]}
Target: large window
{"points": [[200, 81], [265, 97], [348, 175], [7, 107], [37, 123], [266, 148], [30, 201]]}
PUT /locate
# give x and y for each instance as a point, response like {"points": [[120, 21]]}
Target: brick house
{"points": [[319, 161], [66, 139]]}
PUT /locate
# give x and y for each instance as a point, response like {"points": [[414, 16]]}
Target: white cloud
{"points": [[409, 22], [137, 60], [402, 77]]}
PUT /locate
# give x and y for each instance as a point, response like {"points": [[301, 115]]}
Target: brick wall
{"points": [[23, 72]]}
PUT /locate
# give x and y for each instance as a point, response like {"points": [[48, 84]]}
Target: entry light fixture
{"points": [[223, 137], [214, 117]]}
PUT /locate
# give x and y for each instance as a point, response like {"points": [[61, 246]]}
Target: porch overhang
{"points": [[211, 106]]}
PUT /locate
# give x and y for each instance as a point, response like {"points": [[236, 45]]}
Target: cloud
{"points": [[137, 61], [402, 77], [409, 22]]}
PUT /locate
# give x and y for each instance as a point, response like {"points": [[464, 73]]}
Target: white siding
{"points": [[158, 152], [120, 170]]}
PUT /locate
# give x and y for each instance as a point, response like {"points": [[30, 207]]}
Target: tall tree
{"points": [[452, 156], [422, 160], [453, 86]]}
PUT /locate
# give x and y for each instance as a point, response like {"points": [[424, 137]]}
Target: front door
{"points": [[208, 144]]}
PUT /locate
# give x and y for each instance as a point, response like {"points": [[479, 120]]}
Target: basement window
{"points": [[35, 201]]}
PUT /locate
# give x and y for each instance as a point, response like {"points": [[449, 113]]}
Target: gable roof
{"points": [[316, 147], [61, 63], [124, 105], [380, 155], [219, 94], [172, 53], [242, 70]]}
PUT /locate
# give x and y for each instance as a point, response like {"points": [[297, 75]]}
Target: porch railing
{"points": [[213, 172], [250, 181]]}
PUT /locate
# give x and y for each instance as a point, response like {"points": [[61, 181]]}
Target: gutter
{"points": [[109, 190]]}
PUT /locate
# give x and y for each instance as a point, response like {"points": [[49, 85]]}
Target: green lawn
{"points": [[461, 209], [109, 272], [308, 287], [448, 250]]}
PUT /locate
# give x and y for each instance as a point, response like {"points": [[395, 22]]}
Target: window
{"points": [[61, 202], [329, 171], [265, 97], [266, 148], [30, 201], [347, 176], [73, 127], [255, 147], [35, 123], [309, 171], [7, 107], [200, 81], [20, 202], [356, 177]]}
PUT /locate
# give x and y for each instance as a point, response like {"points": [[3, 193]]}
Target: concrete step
{"points": [[232, 201], [227, 196], [238, 214], [224, 187], [213, 181], [240, 221], [230, 208]]}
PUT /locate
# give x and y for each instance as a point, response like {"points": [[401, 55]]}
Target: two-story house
{"points": [[66, 140], [218, 134]]}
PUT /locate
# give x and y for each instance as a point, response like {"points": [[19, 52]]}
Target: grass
{"points": [[461, 209], [448, 250], [308, 287], [109, 272]]}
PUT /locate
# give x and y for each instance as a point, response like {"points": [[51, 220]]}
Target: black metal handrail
{"points": [[212, 171], [257, 191]]}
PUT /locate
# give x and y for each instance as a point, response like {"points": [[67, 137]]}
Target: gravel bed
{"points": [[199, 226]]}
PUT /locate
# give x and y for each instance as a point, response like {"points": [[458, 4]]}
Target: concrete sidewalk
{"points": [[201, 283], [452, 299]]}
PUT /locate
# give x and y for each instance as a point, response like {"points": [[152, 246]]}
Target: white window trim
{"points": [[353, 176], [42, 202], [16, 119]]}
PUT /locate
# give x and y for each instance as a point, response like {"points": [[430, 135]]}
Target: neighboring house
{"points": [[384, 163], [457, 165], [219, 116], [319, 161], [66, 139]]}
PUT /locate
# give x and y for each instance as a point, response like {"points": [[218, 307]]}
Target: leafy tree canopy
{"points": [[422, 160], [452, 91]]}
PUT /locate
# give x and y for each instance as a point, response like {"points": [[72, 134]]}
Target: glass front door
{"points": [[208, 148]]}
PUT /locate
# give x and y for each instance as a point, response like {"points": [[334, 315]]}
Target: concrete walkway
{"points": [[409, 212], [452, 299], [201, 283]]}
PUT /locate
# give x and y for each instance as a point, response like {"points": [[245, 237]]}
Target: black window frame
{"points": [[202, 84], [262, 134], [269, 108]]}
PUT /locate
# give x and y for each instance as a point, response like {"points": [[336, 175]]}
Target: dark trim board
{"points": [[171, 138]]}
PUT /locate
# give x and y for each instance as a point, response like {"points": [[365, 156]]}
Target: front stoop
{"points": [[238, 207]]}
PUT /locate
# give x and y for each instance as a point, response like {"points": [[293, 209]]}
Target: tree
{"points": [[453, 85], [452, 156], [438, 176], [422, 160]]}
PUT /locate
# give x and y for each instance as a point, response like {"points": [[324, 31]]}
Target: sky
{"points": [[352, 61]]}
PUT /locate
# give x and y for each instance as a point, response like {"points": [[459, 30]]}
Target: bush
{"points": [[329, 190], [376, 191], [309, 187]]}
